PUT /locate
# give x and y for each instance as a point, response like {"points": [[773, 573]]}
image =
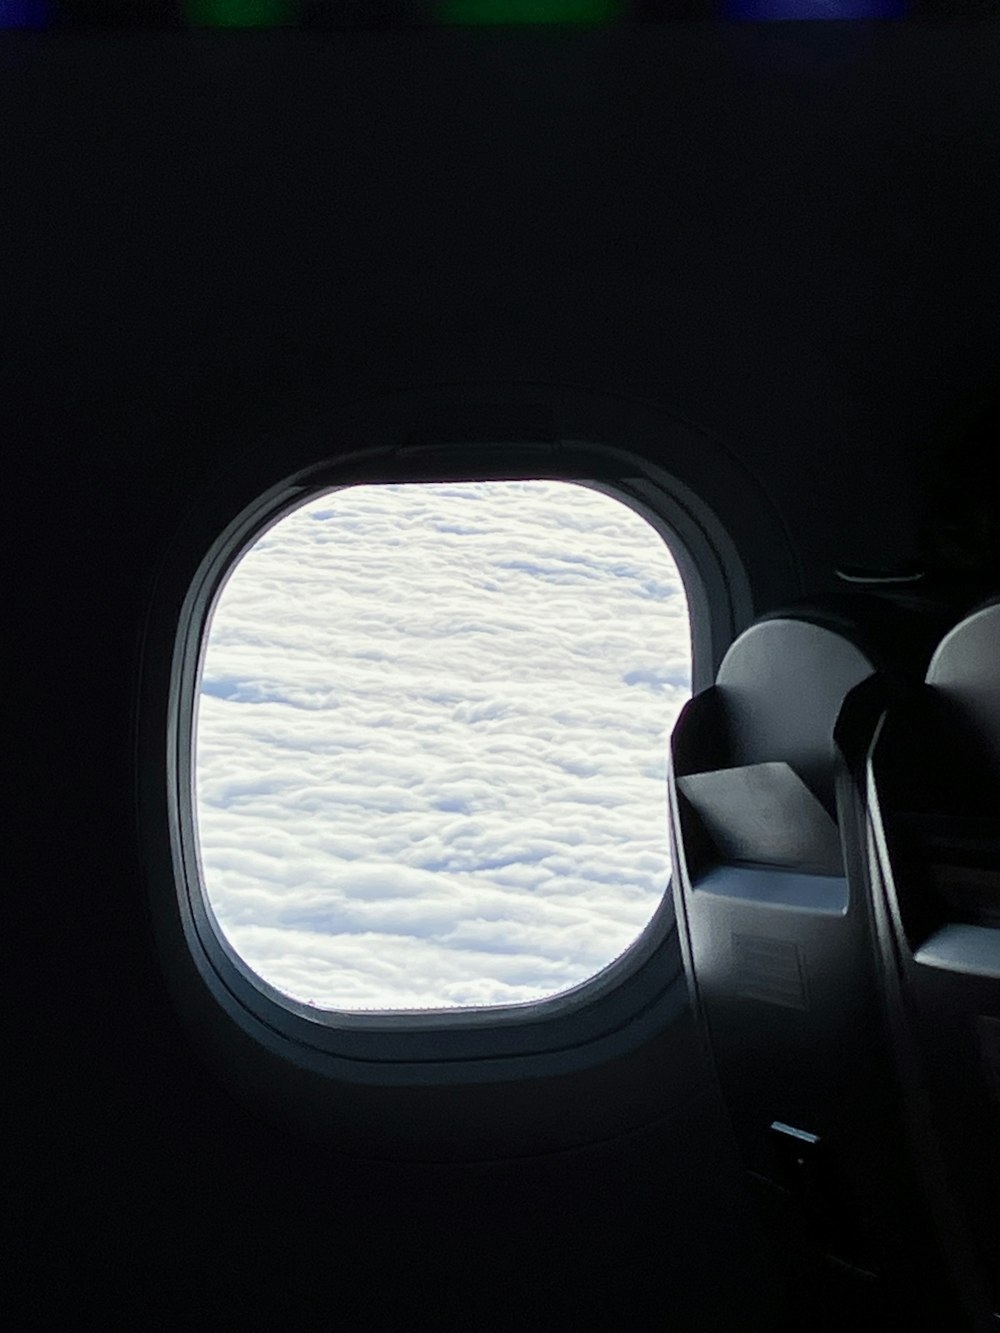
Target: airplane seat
{"points": [[766, 791], [934, 804], [964, 674]]}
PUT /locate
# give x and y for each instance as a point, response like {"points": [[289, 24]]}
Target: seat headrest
{"points": [[899, 632], [965, 673], [782, 685]]}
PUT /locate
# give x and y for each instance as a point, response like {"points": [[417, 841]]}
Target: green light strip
{"points": [[242, 13], [498, 12]]}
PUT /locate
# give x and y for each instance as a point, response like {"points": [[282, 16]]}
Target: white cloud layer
{"points": [[431, 743]]}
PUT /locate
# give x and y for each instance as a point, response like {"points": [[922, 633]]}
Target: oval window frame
{"points": [[410, 1035], [290, 1062]]}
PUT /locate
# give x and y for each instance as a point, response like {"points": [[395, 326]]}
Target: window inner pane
{"points": [[431, 743]]}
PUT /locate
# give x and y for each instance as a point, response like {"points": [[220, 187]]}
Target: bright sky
{"points": [[431, 743]]}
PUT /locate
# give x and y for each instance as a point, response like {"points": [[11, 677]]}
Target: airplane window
{"points": [[431, 740]]}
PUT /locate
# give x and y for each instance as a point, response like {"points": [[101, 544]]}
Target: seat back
{"points": [[770, 886], [934, 806]]}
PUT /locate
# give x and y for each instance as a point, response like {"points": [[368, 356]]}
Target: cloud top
{"points": [[431, 743]]}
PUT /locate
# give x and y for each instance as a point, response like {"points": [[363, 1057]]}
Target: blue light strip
{"points": [[25, 14], [764, 11]]}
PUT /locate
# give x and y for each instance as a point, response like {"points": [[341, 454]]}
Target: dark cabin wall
{"points": [[783, 233]]}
